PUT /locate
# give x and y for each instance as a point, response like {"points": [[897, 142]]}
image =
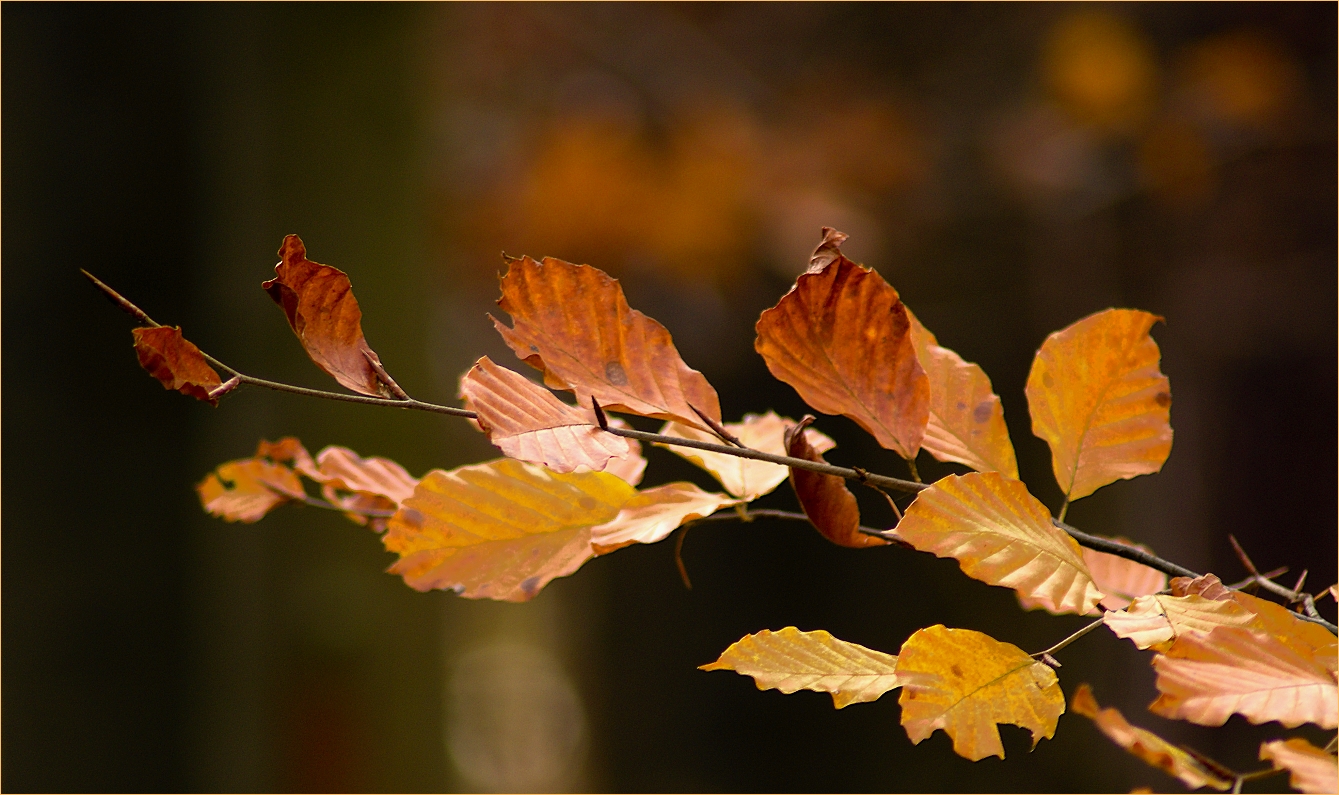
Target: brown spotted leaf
{"points": [[841, 337], [789, 660], [176, 362], [1310, 769], [654, 513], [572, 323], [830, 506], [745, 478], [318, 301]]}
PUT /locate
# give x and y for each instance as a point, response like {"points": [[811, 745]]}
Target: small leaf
{"points": [[246, 490], [653, 514], [1146, 745], [841, 337], [318, 301], [176, 362], [502, 529], [1310, 769], [789, 660], [1156, 621], [1001, 535], [830, 506], [362, 485], [966, 682], [527, 422], [1097, 397], [572, 323], [745, 478]]}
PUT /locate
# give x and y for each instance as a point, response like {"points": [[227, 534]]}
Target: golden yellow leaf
{"points": [[1157, 620], [1098, 399], [1310, 769], [655, 513], [745, 478], [966, 682], [502, 529], [1121, 579], [789, 660], [1000, 534]]}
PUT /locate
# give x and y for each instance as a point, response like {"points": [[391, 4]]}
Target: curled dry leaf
{"points": [[572, 323], [527, 422], [789, 660], [966, 421], [1000, 534], [500, 530], [1146, 745], [830, 506], [1121, 579], [653, 514], [1310, 769], [746, 478], [966, 683], [1098, 399], [319, 304], [176, 362], [246, 490], [841, 337]]}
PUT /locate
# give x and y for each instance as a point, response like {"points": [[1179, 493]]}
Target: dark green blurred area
{"points": [[1009, 168]]}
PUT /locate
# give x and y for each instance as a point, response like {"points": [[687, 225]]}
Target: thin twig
{"points": [[748, 515], [678, 557], [1062, 644], [1293, 596], [371, 513], [1125, 551], [716, 427]]}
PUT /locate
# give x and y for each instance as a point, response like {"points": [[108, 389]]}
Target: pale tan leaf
{"points": [[362, 485], [1310, 769], [1157, 620], [1119, 578], [743, 477], [1307, 639], [654, 513]]}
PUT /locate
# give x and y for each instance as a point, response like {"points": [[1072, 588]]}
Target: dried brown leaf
{"points": [[745, 478], [654, 513], [830, 506], [176, 362], [1310, 769]]}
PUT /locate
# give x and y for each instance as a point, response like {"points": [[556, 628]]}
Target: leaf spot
{"points": [[982, 411], [957, 671], [614, 373], [530, 585], [1163, 399]]}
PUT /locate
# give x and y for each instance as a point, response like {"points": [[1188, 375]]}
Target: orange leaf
{"points": [[246, 490], [966, 682], [289, 450], [1157, 620], [1000, 534], [745, 478], [1146, 745], [175, 362], [1098, 399], [572, 323], [1119, 578], [830, 506], [318, 301], [362, 485], [1310, 769], [842, 339], [966, 421], [1206, 678], [789, 660], [527, 422], [655, 513], [502, 529], [1308, 639]]}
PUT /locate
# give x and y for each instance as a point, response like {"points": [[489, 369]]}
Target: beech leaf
{"points": [[1001, 535], [966, 682], [1098, 399], [526, 421], [1121, 579], [829, 504], [572, 323], [746, 478], [362, 485], [246, 490], [500, 530], [1307, 639], [1157, 620], [319, 304], [789, 660], [176, 362], [630, 466], [654, 513], [841, 337], [1310, 769]]}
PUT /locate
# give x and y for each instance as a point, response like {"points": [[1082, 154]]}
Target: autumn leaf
{"points": [[841, 337], [1098, 399], [572, 323], [527, 422], [1146, 745], [966, 420], [361, 486], [246, 490], [830, 506], [1310, 769], [1001, 535], [630, 466], [1157, 620], [1308, 639], [654, 513], [176, 362], [502, 529], [745, 478], [789, 660], [318, 301], [966, 682], [1205, 678], [289, 450], [1121, 579]]}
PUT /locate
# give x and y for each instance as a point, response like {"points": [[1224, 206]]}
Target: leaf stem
{"points": [[1062, 644]]}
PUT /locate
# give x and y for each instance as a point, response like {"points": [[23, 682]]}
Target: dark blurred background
{"points": [[1009, 168]]}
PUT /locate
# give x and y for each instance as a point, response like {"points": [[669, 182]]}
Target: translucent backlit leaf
{"points": [[573, 324], [1310, 769], [830, 506], [1157, 620], [246, 490], [1121, 579], [789, 660], [841, 337], [1000, 534], [966, 683], [1097, 397], [502, 529], [176, 362], [744, 477], [361, 486], [1307, 639], [655, 513]]}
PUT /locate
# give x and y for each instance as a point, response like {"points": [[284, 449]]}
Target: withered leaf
{"points": [[830, 506], [1310, 769], [572, 323], [318, 301], [789, 660], [841, 337], [746, 478], [176, 362], [246, 490], [654, 513]]}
